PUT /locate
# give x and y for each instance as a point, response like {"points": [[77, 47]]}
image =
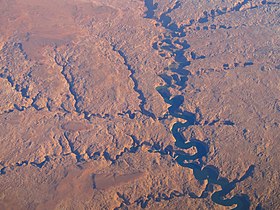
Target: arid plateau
{"points": [[139, 104]]}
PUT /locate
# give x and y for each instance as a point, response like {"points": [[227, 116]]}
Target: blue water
{"points": [[179, 77]]}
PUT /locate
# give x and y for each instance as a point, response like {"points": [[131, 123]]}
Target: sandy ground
{"points": [[82, 125]]}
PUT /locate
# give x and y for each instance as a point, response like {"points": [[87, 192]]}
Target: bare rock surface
{"points": [[136, 104]]}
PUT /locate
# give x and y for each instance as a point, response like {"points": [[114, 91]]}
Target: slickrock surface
{"points": [[132, 104]]}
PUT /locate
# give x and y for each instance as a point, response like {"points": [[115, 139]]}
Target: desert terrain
{"points": [[139, 104]]}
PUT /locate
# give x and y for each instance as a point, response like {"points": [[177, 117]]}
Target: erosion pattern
{"points": [[139, 104]]}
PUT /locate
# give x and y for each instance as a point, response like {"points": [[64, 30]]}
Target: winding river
{"points": [[177, 75]]}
